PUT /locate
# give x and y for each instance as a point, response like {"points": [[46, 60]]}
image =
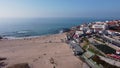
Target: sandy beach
{"points": [[39, 51]]}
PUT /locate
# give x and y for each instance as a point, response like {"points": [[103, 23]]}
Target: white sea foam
{"points": [[22, 32]]}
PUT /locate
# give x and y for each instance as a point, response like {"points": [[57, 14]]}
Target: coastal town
{"points": [[89, 45], [59, 33], [96, 43]]}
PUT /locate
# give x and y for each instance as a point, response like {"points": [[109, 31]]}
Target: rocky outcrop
{"points": [[2, 63], [1, 37], [20, 65]]}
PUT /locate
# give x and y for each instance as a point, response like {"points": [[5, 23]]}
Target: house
{"points": [[111, 32], [84, 27], [99, 27], [118, 52], [78, 33], [112, 23], [88, 31]]}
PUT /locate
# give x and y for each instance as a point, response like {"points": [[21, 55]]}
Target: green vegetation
{"points": [[93, 50], [85, 47], [86, 43], [90, 48], [86, 40], [105, 49]]}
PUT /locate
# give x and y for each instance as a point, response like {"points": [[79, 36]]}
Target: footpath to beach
{"points": [[41, 52]]}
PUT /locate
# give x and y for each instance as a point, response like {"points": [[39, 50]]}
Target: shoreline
{"points": [[29, 37]]}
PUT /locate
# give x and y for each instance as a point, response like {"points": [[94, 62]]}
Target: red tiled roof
{"points": [[118, 50], [112, 23], [111, 30], [113, 56], [98, 28]]}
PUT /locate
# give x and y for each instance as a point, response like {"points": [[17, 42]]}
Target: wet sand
{"points": [[39, 52]]}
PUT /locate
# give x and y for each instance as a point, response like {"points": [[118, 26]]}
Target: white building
{"points": [[111, 32], [99, 27], [79, 32]]}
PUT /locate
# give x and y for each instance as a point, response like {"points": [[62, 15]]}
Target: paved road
{"points": [[110, 40]]}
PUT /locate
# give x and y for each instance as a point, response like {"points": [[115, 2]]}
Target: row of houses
{"points": [[103, 29], [98, 27]]}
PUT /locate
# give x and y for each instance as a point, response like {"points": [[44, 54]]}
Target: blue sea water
{"points": [[25, 27]]}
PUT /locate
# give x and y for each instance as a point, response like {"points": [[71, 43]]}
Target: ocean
{"points": [[28, 27]]}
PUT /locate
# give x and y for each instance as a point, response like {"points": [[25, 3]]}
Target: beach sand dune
{"points": [[41, 52]]}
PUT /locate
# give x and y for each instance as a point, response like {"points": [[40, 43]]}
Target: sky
{"points": [[59, 8]]}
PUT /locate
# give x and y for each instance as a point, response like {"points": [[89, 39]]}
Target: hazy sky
{"points": [[59, 8]]}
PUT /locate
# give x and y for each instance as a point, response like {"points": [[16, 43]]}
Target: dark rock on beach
{"points": [[21, 65], [2, 63], [2, 58], [1, 37]]}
